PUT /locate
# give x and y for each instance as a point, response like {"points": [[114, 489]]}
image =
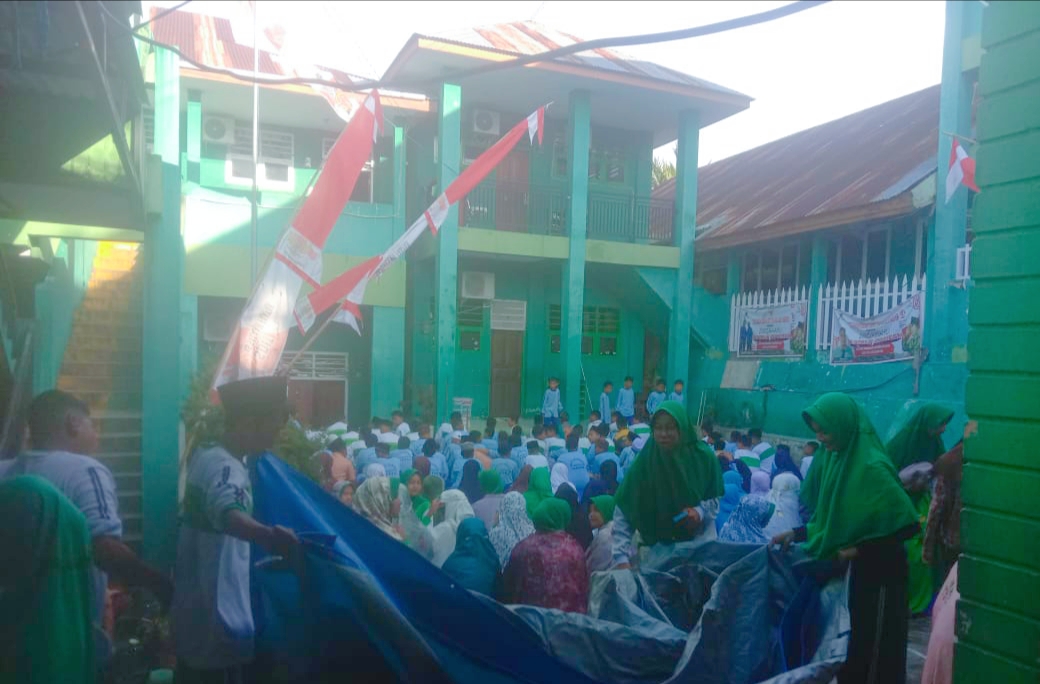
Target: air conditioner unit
{"points": [[486, 121], [964, 263], [478, 285], [218, 129]]}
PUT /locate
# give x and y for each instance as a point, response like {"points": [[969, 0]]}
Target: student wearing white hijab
{"points": [[456, 509], [558, 477], [784, 495]]}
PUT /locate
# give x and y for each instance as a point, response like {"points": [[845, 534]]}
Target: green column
{"points": [[387, 359], [685, 231], [193, 135], [163, 251], [400, 207], [449, 133], [573, 296], [945, 325], [817, 281]]}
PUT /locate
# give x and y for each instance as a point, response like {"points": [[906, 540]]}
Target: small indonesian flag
{"points": [[962, 171]]}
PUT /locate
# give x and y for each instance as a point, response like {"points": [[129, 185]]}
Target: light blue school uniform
{"points": [[417, 446], [628, 457], [439, 466], [456, 473], [507, 470], [654, 401], [604, 407], [452, 453], [551, 404], [403, 457], [518, 455], [577, 469], [365, 458], [626, 403], [490, 444], [679, 397], [597, 464], [390, 465]]}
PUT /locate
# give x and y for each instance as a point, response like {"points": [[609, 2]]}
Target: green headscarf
{"points": [[913, 441], [418, 501], [854, 494], [539, 488], [433, 487], [490, 481], [551, 515], [659, 485], [45, 607], [605, 505]]}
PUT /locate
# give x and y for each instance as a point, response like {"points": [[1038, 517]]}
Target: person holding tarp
{"points": [[671, 492], [860, 515]]}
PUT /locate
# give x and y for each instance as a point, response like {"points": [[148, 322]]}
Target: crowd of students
{"points": [[526, 518]]}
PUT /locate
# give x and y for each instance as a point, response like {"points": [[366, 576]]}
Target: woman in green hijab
{"points": [[919, 438], [861, 515], [45, 586], [413, 480], [539, 489], [671, 492], [433, 487]]}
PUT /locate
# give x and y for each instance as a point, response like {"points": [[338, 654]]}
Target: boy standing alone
{"points": [[551, 404], [626, 402], [604, 400], [678, 393]]}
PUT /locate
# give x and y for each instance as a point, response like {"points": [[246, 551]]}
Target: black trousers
{"points": [[879, 614]]}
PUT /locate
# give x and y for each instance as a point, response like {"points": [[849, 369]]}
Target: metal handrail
{"points": [[14, 414]]}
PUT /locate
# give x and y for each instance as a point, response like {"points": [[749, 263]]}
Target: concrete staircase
{"points": [[102, 366]]}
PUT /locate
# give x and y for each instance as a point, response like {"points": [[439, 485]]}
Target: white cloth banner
{"points": [[777, 330], [894, 335]]}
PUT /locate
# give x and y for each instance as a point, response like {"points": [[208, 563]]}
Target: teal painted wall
{"points": [[57, 298], [539, 286], [387, 381]]}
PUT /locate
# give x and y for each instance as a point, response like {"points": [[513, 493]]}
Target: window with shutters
{"points": [[601, 330], [275, 158]]}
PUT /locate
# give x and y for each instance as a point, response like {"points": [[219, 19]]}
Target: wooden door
{"points": [[319, 403], [507, 361], [511, 188]]}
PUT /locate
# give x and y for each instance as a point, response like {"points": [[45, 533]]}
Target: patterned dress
{"points": [[548, 570]]}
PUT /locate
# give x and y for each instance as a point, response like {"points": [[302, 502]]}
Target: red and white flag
{"points": [[255, 349], [962, 171], [350, 285]]}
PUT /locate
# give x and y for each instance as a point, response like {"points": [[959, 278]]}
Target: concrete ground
{"points": [[917, 647]]}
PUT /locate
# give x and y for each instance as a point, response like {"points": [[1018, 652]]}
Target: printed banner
{"points": [[892, 336], [778, 330]]}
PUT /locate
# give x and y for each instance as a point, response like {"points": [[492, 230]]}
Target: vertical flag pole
{"points": [[255, 204]]}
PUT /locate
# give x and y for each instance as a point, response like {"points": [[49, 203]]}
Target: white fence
{"points": [[864, 299], [791, 295]]}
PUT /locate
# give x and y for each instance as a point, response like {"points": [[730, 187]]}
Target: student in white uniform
{"points": [[62, 436], [401, 428], [212, 618], [764, 450]]}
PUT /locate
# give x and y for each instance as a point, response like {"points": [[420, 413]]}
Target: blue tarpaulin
{"points": [[368, 607]]}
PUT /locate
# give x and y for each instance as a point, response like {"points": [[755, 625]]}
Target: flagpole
{"points": [[255, 204]]}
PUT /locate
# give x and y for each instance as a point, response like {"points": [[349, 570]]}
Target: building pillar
{"points": [[945, 324], [573, 295], [817, 281], [193, 135], [449, 133], [685, 228], [387, 378], [163, 251], [400, 160]]}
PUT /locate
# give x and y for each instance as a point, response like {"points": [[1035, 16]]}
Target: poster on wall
{"points": [[894, 335], [777, 330]]}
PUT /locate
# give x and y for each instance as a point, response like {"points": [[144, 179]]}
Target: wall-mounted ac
{"points": [[218, 129], [964, 263], [476, 285], [487, 122]]}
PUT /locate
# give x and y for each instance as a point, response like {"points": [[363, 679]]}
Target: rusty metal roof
{"points": [[531, 38], [854, 162], [211, 41]]}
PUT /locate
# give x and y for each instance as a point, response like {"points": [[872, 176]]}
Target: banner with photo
{"points": [[777, 330], [894, 335]]}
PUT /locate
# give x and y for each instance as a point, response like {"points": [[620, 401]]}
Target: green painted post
{"points": [[400, 186], [685, 227], [387, 359], [189, 342], [450, 136], [573, 296], [817, 281], [193, 133], [163, 251], [945, 326]]}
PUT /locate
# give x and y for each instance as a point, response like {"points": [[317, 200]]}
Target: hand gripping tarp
{"points": [[371, 609]]}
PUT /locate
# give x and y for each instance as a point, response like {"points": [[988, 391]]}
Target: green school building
{"points": [[126, 253]]}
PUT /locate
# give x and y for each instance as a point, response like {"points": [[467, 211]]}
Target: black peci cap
{"points": [[255, 396]]}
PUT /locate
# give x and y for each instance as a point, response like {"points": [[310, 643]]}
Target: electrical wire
{"points": [[160, 15], [418, 84]]}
